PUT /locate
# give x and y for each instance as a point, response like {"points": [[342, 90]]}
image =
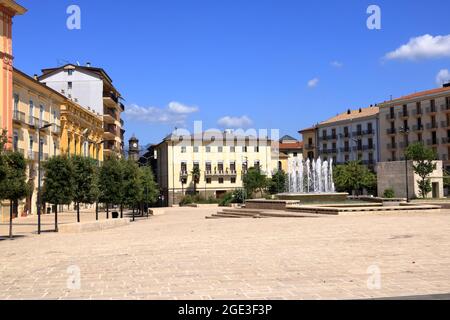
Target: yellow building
{"points": [[309, 143], [222, 159], [34, 106], [82, 132]]}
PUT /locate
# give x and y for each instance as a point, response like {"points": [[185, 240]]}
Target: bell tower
{"points": [[133, 148], [8, 9]]}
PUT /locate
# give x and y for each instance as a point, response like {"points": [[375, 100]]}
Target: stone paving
{"points": [[182, 255]]}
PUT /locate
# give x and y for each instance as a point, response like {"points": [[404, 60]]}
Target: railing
{"points": [[431, 126], [111, 96], [417, 112], [56, 129], [392, 146], [357, 133], [390, 117], [391, 131], [445, 107], [446, 140], [432, 109], [418, 128], [432, 142], [309, 147], [346, 149], [32, 121], [445, 124], [403, 114], [19, 116]]}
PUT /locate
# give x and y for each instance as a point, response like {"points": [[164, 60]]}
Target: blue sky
{"points": [[178, 61]]}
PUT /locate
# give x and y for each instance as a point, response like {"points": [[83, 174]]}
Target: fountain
{"points": [[311, 181]]}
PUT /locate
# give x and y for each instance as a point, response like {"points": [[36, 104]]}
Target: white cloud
{"points": [[235, 122], [422, 47], [313, 83], [443, 77], [174, 113], [179, 108], [337, 64]]}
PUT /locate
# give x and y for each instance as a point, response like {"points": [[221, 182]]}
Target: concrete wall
{"points": [[392, 175], [87, 88]]}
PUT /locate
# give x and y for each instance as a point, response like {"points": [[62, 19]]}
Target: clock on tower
{"points": [[133, 150]]}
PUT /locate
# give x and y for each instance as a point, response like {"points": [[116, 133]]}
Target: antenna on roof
{"points": [[78, 63]]}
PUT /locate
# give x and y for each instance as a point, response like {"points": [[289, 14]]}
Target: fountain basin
{"points": [[314, 197]]}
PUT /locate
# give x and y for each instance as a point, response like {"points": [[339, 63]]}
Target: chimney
{"points": [[349, 111], [360, 110], [35, 77], [446, 85], [88, 64]]}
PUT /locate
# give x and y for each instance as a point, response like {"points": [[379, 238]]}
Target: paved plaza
{"points": [[182, 255]]}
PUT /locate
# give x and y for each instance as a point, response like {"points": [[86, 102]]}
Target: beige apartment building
{"points": [[222, 158], [419, 117]]}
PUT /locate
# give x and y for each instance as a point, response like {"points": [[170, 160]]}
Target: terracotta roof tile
{"points": [[354, 114]]}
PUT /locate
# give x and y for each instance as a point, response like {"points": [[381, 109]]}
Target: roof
{"points": [[100, 71], [13, 6], [287, 137], [421, 94], [23, 74], [291, 146], [307, 130], [353, 114]]}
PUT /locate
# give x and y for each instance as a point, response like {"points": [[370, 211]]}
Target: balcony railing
{"points": [[221, 173], [390, 116], [403, 114], [391, 131], [418, 128], [392, 146], [417, 113], [309, 147], [19, 116], [111, 96], [32, 121], [431, 126], [432, 109], [446, 140], [432, 142]]}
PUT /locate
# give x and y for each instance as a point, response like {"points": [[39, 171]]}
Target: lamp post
{"points": [[405, 131], [39, 204], [146, 186], [244, 160]]}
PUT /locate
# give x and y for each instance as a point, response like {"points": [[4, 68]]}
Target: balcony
{"points": [[19, 116], [56, 129], [432, 126], [110, 99], [34, 122], [346, 150], [403, 114], [432, 109], [110, 132], [309, 147], [221, 173], [110, 116], [445, 124], [392, 146], [417, 113], [184, 174], [391, 131], [418, 128], [446, 140], [445, 107], [432, 142], [358, 134], [390, 116]]}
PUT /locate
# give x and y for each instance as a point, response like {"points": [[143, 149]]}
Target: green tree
{"points": [[423, 164], [196, 174], [59, 183], [277, 184], [13, 186], [85, 188], [353, 177], [149, 187], [110, 183], [255, 181], [131, 184]]}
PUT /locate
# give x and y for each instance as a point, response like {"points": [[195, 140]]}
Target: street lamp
{"points": [[243, 183], [39, 177], [405, 131], [146, 186]]}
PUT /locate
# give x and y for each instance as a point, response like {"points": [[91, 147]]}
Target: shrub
{"points": [[226, 200], [389, 193], [186, 201], [239, 196]]}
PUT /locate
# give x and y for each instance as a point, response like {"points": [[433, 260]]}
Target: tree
{"points": [[132, 186], [110, 183], [13, 186], [59, 183], [353, 177], [149, 186], [255, 181], [196, 177], [277, 184], [85, 184], [423, 164]]}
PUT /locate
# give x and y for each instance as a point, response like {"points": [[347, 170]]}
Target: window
{"points": [[310, 141], [233, 180], [31, 111], [208, 180], [324, 134], [16, 141], [55, 148], [257, 164], [370, 143], [232, 149], [183, 149], [16, 103], [183, 168], [41, 115], [195, 149], [419, 137], [295, 154], [233, 167], [208, 167], [256, 149], [208, 149], [220, 149], [70, 72], [370, 128], [346, 132], [221, 180], [69, 85]]}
